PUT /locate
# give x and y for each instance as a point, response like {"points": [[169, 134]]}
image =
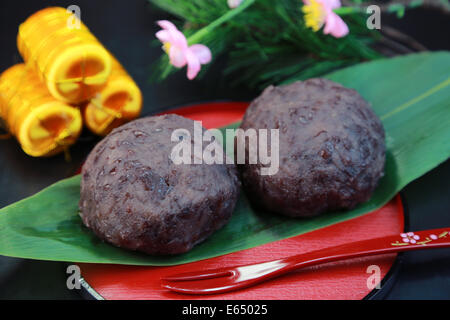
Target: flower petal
{"points": [[335, 26], [171, 34], [332, 4], [179, 40], [166, 25], [163, 36], [177, 56], [193, 64], [234, 3], [202, 52]]}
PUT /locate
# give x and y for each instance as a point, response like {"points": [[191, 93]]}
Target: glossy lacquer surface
{"points": [[228, 279]]}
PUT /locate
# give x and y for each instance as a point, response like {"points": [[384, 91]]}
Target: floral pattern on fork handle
{"points": [[411, 238]]}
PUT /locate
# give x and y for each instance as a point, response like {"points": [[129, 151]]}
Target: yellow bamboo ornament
{"points": [[68, 58], [118, 102], [43, 125]]}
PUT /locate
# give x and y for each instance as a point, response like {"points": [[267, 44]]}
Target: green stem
{"points": [[166, 70], [342, 11], [227, 16]]}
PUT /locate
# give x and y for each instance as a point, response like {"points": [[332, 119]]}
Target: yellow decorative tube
{"points": [[68, 58], [118, 102], [43, 125]]}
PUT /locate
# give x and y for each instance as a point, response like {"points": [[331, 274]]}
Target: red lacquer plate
{"points": [[340, 280]]}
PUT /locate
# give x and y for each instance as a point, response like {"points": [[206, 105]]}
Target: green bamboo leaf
{"points": [[411, 94]]}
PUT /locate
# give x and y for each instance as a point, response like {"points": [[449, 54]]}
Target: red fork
{"points": [[228, 279]]}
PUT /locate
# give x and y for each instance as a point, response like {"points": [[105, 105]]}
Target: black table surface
{"points": [[127, 29]]}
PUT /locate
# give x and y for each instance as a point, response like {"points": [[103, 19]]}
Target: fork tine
{"points": [[199, 275], [205, 286]]}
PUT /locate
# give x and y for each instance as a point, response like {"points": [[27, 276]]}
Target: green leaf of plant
{"points": [[410, 94]]}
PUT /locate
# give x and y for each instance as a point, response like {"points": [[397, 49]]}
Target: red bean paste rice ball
{"points": [[133, 195], [331, 149]]}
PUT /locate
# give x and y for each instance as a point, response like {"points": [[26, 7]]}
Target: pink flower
{"points": [[176, 46], [409, 237], [234, 3], [320, 12]]}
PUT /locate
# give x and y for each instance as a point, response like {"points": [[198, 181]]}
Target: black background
{"points": [[127, 29]]}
